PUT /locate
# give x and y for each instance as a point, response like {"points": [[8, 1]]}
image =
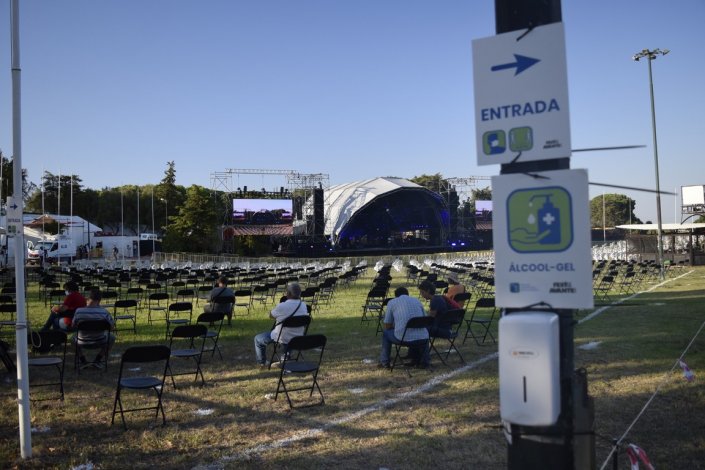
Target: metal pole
{"points": [[139, 255], [153, 233], [658, 184], [604, 230], [23, 405]]}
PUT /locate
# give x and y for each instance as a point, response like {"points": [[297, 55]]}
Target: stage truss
{"points": [[298, 185]]}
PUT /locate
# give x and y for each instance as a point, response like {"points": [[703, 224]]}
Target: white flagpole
{"points": [[21, 324], [71, 216], [138, 223]]}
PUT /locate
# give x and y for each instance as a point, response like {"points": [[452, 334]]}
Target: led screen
{"points": [[262, 217], [483, 210]]}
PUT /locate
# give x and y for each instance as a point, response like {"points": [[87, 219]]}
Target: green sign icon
{"points": [[540, 220], [521, 139]]}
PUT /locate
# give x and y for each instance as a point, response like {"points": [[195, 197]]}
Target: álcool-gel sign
{"points": [[541, 230]]}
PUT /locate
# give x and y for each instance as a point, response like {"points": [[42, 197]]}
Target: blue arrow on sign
{"points": [[14, 206], [522, 63]]}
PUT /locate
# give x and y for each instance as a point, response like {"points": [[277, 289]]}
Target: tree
{"points": [[618, 210], [57, 189], [195, 228], [435, 183], [7, 177], [169, 195]]}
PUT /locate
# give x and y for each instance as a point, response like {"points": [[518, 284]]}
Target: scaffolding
{"points": [[300, 187], [458, 191]]}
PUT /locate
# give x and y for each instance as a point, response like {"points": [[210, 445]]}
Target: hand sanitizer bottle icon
{"points": [[549, 220]]}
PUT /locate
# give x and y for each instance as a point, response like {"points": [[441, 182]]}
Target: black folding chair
{"points": [[92, 327], [451, 322], [156, 303], [214, 321], [292, 367], [188, 334], [174, 315], [297, 321], [224, 304], [141, 355], [42, 345], [483, 322], [125, 309], [380, 315], [424, 322], [7, 318]]}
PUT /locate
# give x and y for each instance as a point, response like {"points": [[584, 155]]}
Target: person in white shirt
{"points": [[292, 306]]}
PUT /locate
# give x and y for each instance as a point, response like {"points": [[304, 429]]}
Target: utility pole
{"points": [[553, 447]]}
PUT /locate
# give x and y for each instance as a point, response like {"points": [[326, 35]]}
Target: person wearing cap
{"points": [[61, 315]]}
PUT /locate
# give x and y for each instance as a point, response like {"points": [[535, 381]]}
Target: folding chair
{"points": [[7, 317], [462, 298], [310, 297], [215, 321], [602, 291], [156, 303], [484, 322], [185, 295], [141, 355], [203, 293], [297, 321], [92, 326], [380, 316], [229, 301], [42, 344], [242, 301], [260, 293], [453, 319], [134, 293], [108, 298], [373, 304], [173, 313], [125, 309], [291, 367], [417, 322], [183, 334]]}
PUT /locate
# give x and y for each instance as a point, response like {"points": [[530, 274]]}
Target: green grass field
{"points": [[444, 417]]}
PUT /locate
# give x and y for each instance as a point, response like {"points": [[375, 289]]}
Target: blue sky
{"points": [[112, 90]]}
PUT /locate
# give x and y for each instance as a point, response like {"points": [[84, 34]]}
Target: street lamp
{"points": [[166, 212], [652, 55]]}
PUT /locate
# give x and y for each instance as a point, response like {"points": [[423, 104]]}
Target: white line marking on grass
{"points": [[314, 432], [624, 299]]}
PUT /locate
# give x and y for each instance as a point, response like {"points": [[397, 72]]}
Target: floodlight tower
{"points": [[652, 55]]}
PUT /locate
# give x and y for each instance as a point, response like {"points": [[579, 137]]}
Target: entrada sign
{"points": [[521, 96]]}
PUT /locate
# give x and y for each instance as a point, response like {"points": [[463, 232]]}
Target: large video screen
{"points": [[262, 217], [483, 210]]}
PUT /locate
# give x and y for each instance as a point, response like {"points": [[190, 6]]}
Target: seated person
{"points": [[60, 316], [93, 312], [454, 288], [399, 311], [292, 306], [437, 308], [221, 291]]}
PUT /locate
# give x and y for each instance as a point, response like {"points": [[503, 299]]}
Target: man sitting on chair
{"points": [[221, 291], [399, 311], [61, 315], [93, 312], [292, 306]]}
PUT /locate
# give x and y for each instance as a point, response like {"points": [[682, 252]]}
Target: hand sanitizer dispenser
{"points": [[529, 373]]}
